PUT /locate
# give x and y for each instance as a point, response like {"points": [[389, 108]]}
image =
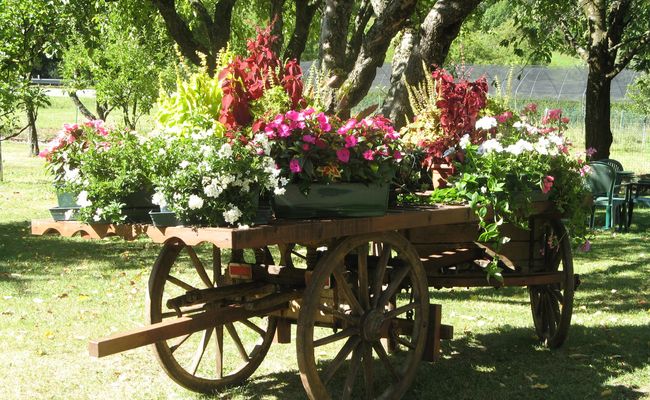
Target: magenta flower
{"points": [[309, 139], [284, 131], [295, 115], [343, 155], [323, 122], [294, 166], [306, 146], [348, 125], [591, 151], [547, 183], [351, 141], [397, 155], [369, 155]]}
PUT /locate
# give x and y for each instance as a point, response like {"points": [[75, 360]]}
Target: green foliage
{"points": [[274, 101], [639, 93], [123, 62]]}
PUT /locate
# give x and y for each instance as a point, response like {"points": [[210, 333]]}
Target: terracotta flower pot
{"points": [[440, 174]]}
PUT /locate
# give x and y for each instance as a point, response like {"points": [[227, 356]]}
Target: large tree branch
{"points": [[80, 106], [179, 30], [643, 44], [204, 16], [616, 25], [276, 21], [394, 18], [222, 22], [360, 24], [572, 40], [304, 15]]}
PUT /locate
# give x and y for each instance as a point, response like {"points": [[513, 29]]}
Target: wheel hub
{"points": [[371, 325]]}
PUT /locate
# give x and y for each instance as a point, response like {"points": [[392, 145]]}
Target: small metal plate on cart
{"points": [[240, 271]]}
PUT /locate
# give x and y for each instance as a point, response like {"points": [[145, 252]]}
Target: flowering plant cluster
{"points": [[310, 147], [209, 179], [445, 110], [62, 154], [102, 167], [522, 156]]}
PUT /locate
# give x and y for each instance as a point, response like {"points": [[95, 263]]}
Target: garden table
{"points": [[357, 290], [633, 188]]}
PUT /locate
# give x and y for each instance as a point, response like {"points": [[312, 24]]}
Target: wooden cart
{"points": [[357, 289]]}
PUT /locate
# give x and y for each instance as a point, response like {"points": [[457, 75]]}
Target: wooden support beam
{"points": [[432, 346], [474, 280], [181, 326], [283, 331]]}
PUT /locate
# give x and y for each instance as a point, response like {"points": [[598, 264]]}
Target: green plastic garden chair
{"points": [[602, 180]]}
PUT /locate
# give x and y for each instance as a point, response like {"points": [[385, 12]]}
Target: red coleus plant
{"points": [[245, 80]]}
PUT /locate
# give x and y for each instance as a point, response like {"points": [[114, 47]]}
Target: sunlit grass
{"points": [[57, 293]]}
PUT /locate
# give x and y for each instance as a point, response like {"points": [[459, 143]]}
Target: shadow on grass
{"points": [[509, 364], [25, 255]]}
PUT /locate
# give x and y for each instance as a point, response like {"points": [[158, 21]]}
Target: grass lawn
{"points": [[57, 293]]}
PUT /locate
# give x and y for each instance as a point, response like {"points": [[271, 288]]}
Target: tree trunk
{"points": [[31, 130], [80, 106], [102, 110], [373, 53], [396, 106], [303, 18], [275, 16], [333, 40], [431, 45], [598, 134]]}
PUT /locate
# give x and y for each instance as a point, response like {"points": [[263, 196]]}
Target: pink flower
{"points": [[323, 122], [501, 118], [547, 183], [369, 155], [591, 151], [44, 153], [306, 146], [277, 120], [391, 134], [351, 141], [397, 155], [565, 120], [294, 166], [309, 111], [552, 115], [284, 131], [584, 170], [295, 116], [309, 139], [70, 127], [343, 155], [348, 125], [530, 108]]}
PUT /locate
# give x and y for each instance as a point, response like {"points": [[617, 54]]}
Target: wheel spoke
{"points": [[216, 265], [219, 351], [198, 266], [383, 356], [336, 363], [254, 327], [402, 341], [394, 286], [336, 336], [352, 374], [362, 271], [368, 378], [342, 284], [400, 310], [378, 281], [238, 343], [205, 339], [337, 314], [178, 343], [184, 311], [180, 283]]}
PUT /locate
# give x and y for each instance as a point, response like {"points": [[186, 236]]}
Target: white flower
{"points": [[68, 215], [519, 147], [184, 164], [71, 175], [206, 150], [519, 125], [542, 146], [489, 146], [159, 199], [98, 214], [486, 123], [212, 189], [231, 216], [243, 227], [225, 151], [279, 191], [449, 152], [82, 199], [483, 189], [505, 240], [464, 141], [194, 202], [555, 139], [161, 152]]}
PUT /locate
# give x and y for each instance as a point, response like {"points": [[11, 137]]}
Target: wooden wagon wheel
{"points": [[220, 356], [358, 306], [552, 304]]}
